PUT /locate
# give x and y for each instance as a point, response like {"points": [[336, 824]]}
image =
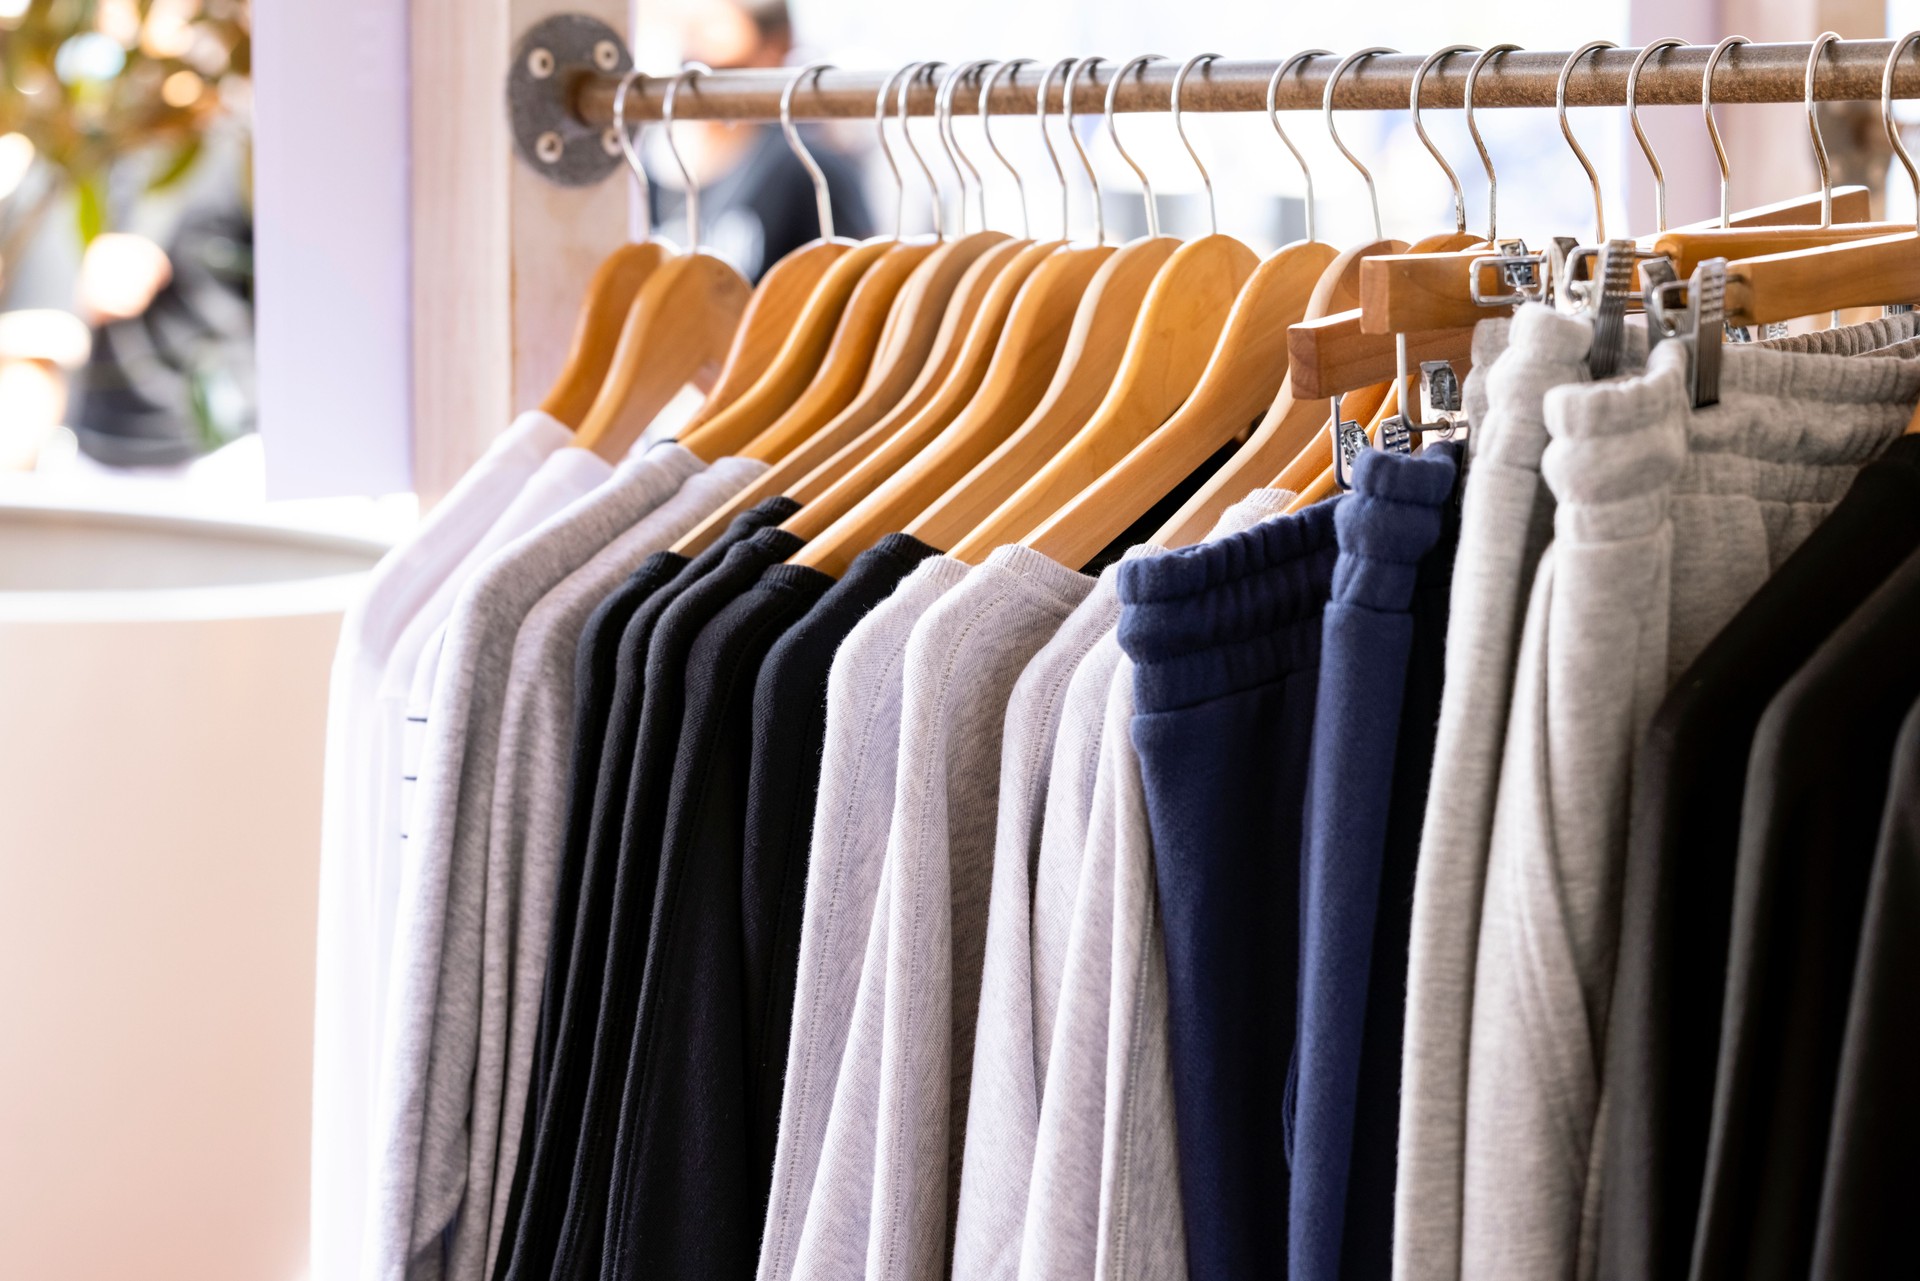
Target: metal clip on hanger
{"points": [[1693, 313]]}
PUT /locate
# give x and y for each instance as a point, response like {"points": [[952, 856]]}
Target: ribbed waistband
{"points": [[1388, 524], [1229, 615]]}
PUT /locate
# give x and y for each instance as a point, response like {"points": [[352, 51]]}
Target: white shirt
{"points": [[347, 978]]}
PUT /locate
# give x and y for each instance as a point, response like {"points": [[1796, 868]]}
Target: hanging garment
{"points": [[687, 1196], [836, 988], [1226, 642], [1683, 838], [1668, 520], [1816, 788], [587, 1241], [962, 663], [1348, 1061], [789, 737], [1869, 1189], [1506, 521], [440, 970], [610, 687], [406, 695], [525, 843], [1009, 1067], [1073, 987], [361, 758]]}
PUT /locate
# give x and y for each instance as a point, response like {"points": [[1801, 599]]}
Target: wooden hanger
{"points": [[1288, 424], [1241, 381], [911, 356], [1862, 273], [1168, 348], [852, 296], [784, 291], [603, 313], [870, 402], [903, 436], [927, 455], [896, 365], [1102, 324], [677, 332]]}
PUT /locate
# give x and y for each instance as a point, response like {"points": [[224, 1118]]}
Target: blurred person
{"points": [[171, 375], [756, 198]]}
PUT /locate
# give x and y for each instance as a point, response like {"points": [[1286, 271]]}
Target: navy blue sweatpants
{"points": [[1342, 1196], [1225, 638]]}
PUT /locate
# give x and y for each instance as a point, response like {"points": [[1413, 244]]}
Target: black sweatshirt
{"points": [[1683, 839], [789, 735], [549, 1228], [1872, 1180], [1816, 786], [687, 1196]]}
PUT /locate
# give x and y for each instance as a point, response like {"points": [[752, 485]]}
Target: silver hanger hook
{"points": [[1113, 135], [1633, 118], [1820, 44], [822, 199], [1713, 130], [688, 70], [1566, 131], [943, 118], [986, 131], [1894, 139], [1206, 179], [1273, 118], [1479, 143], [633, 157], [1326, 111], [933, 185], [880, 101], [1413, 105], [1046, 139], [1099, 206]]}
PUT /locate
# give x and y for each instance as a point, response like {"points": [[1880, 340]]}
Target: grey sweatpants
{"points": [[1667, 520]]}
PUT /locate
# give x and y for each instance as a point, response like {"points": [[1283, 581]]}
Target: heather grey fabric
{"points": [[962, 664], [1505, 523], [1668, 520], [440, 970], [839, 932], [527, 830], [1004, 1109]]}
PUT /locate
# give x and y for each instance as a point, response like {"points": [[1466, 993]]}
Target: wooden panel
{"points": [[501, 257]]}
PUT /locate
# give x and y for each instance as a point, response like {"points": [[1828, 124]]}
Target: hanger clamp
{"points": [[1693, 313], [1524, 275]]}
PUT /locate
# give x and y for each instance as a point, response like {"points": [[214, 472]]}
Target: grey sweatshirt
{"points": [[1668, 520], [848, 848], [432, 1043], [962, 663]]}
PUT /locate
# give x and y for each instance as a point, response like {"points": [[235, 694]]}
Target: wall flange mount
{"points": [[551, 59]]}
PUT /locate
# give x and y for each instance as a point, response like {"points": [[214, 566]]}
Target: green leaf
{"points": [[177, 166], [90, 207]]}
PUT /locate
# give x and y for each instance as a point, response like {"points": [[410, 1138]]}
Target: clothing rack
{"points": [[568, 69], [1525, 78]]}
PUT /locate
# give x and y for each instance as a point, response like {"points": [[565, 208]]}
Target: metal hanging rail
{"points": [[568, 68], [1850, 69]]}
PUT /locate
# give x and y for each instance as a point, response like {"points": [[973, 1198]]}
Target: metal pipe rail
{"points": [[1850, 70]]}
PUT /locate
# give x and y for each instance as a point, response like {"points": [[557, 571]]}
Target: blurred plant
{"points": [[92, 85]]}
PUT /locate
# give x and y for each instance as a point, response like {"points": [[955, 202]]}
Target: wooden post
{"points": [[501, 256]]}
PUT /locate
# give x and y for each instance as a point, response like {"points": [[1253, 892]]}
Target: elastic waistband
{"points": [[1229, 615], [1388, 525]]}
